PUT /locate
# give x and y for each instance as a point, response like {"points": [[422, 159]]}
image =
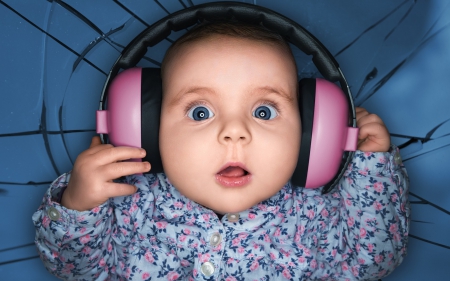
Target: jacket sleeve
{"points": [[373, 216], [77, 245]]}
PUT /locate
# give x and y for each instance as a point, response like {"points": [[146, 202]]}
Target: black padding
{"points": [[151, 97], [293, 32], [306, 102]]}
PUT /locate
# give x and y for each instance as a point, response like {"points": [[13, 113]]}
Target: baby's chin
{"points": [[229, 209]]}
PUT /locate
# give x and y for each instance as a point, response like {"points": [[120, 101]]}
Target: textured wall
{"points": [[55, 55]]}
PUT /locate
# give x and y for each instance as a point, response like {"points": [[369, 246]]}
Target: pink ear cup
{"points": [[331, 135], [122, 120]]}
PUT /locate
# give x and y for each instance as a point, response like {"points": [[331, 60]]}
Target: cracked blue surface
{"points": [[54, 60]]}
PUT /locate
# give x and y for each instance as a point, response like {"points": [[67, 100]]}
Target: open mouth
{"points": [[233, 175]]}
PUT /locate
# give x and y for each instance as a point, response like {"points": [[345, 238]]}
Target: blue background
{"points": [[54, 57]]}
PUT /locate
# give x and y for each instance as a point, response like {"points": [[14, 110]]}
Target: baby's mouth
{"points": [[233, 175], [233, 171]]}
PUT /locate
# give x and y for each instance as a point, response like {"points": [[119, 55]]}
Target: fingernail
{"points": [[143, 152]]}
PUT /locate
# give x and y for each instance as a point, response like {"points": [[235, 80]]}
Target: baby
{"points": [[225, 209]]}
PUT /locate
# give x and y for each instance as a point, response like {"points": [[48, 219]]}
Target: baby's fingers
{"points": [[112, 154], [120, 169], [113, 189]]}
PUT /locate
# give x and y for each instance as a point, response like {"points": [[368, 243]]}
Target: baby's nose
{"points": [[235, 130]]}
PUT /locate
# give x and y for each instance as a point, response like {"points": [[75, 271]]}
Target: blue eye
{"points": [[199, 113], [265, 112]]}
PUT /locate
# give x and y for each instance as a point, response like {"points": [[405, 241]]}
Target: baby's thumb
{"points": [[95, 141]]}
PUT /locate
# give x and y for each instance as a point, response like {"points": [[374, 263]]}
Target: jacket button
{"points": [[233, 217], [207, 268], [53, 214], [215, 239]]}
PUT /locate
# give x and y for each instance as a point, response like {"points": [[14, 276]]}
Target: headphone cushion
{"points": [[133, 115], [330, 134]]}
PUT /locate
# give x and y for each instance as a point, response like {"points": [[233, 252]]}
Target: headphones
{"points": [[131, 114]]}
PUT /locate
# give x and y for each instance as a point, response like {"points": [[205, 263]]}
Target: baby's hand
{"points": [[373, 134], [91, 183]]}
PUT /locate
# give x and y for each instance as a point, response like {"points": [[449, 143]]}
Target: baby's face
{"points": [[230, 125]]}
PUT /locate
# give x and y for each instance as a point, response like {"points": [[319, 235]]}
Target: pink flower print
{"points": [[394, 197], [230, 278], [161, 224], [262, 207], [362, 232], [241, 250], [85, 239], [182, 238], [348, 202], [109, 247], [287, 274], [149, 257], [254, 266], [393, 228], [230, 260], [45, 221], [355, 270], [235, 241], [351, 222], [145, 275], [370, 247], [242, 236], [204, 257], [185, 263], [334, 252], [378, 258], [133, 208], [313, 264], [251, 216], [277, 232], [126, 220], [344, 266], [136, 197], [68, 268], [86, 250], [266, 238], [358, 247], [272, 256], [102, 262], [187, 231], [307, 252], [324, 213], [80, 219], [96, 209], [311, 214], [178, 204], [396, 237], [301, 229], [206, 217], [378, 186], [361, 261], [301, 259], [378, 205], [171, 276]]}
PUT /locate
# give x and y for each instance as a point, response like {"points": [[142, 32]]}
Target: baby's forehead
{"points": [[226, 42]]}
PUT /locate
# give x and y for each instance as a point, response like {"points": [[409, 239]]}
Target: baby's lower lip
{"points": [[233, 181]]}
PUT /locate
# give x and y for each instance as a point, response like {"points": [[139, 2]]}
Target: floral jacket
{"points": [[358, 231]]}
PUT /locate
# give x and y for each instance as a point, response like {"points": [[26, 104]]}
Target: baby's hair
{"points": [[235, 29]]}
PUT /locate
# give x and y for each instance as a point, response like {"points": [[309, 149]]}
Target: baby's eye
{"points": [[199, 113], [265, 112]]}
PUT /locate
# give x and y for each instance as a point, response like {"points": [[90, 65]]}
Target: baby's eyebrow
{"points": [[268, 89], [195, 90], [191, 91]]}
